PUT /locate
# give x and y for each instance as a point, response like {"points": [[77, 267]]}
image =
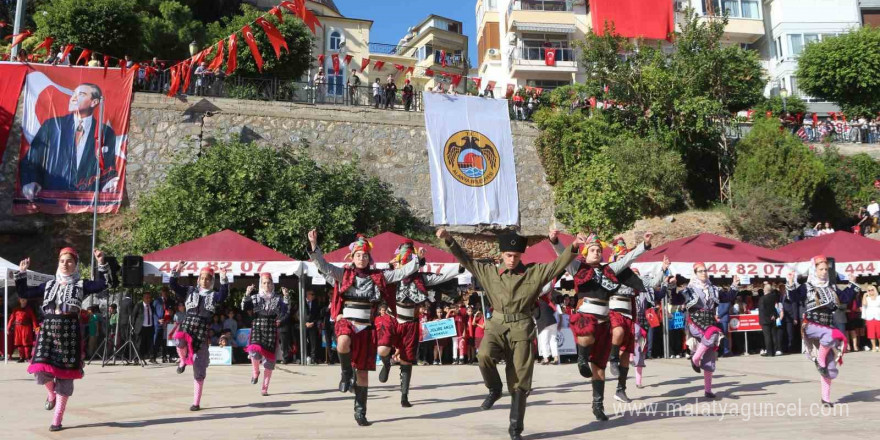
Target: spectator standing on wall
{"points": [[407, 96], [354, 83], [390, 92], [377, 93]]}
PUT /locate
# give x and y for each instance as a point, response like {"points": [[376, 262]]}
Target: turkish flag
{"points": [[456, 80], [84, 55], [217, 62], [550, 57], [379, 65], [592, 102], [274, 35], [347, 59], [321, 60], [46, 44], [252, 44], [410, 70], [122, 66], [815, 118], [106, 63], [429, 72], [364, 63], [477, 82], [491, 85], [18, 38], [277, 13], [509, 91], [290, 7], [66, 52], [335, 59], [306, 15], [443, 58], [232, 48], [175, 80], [399, 67]]}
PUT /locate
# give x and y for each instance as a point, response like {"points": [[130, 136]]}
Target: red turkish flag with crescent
{"points": [[274, 35], [347, 59], [364, 63], [66, 51], [252, 44], [290, 7], [232, 48], [46, 44], [18, 38], [477, 82], [429, 72], [378, 65], [175, 80], [106, 63], [73, 118], [550, 57], [218, 60], [277, 13], [320, 60]]}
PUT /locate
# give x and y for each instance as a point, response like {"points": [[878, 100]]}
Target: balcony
{"points": [[531, 59], [745, 17], [392, 49], [550, 12]]}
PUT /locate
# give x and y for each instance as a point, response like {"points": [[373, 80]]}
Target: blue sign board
{"points": [[439, 329]]}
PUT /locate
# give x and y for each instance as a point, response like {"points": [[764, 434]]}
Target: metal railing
{"points": [[390, 49], [283, 90], [543, 5]]}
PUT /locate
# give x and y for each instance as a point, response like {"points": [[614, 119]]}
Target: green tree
{"points": [[844, 69], [592, 199], [793, 105], [274, 197], [298, 36], [653, 174], [849, 185], [761, 217], [105, 26], [168, 30], [778, 161]]}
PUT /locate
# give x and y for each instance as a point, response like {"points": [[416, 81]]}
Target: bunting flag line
{"points": [[410, 70], [106, 64], [46, 44], [443, 58], [232, 47], [66, 51], [83, 56], [456, 80], [275, 37], [477, 82], [429, 72], [320, 60], [335, 60], [252, 44], [175, 80], [18, 38], [364, 63], [277, 13], [379, 65], [347, 59], [217, 62], [399, 67], [122, 66]]}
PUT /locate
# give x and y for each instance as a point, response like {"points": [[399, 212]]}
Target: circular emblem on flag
{"points": [[734, 323], [471, 157]]}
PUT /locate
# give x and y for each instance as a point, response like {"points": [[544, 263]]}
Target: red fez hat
{"points": [[207, 269], [69, 250]]}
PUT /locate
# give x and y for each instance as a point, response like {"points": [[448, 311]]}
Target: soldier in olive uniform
{"points": [[512, 289]]}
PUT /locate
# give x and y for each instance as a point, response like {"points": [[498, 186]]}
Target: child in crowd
{"points": [[439, 344]]}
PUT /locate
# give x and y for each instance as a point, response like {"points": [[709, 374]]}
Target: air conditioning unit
{"points": [[493, 52]]}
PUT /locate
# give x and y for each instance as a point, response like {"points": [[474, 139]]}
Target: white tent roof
{"points": [[7, 271]]}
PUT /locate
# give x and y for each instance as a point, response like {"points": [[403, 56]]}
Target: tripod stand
{"points": [[105, 359]]}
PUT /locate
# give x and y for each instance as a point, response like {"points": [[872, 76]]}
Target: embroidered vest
{"points": [[192, 300], [599, 282], [693, 297], [58, 296], [821, 297], [412, 290]]}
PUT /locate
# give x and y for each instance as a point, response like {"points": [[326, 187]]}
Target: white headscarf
{"points": [[813, 278], [66, 279]]}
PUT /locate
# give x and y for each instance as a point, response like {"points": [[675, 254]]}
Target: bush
{"points": [[762, 217], [849, 185], [793, 104], [274, 197], [653, 174], [592, 199]]}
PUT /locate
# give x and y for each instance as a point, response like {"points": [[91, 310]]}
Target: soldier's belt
{"points": [[514, 317]]}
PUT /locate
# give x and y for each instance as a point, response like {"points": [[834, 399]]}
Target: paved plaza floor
{"points": [[772, 398]]}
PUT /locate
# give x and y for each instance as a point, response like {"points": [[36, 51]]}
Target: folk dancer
{"points": [[58, 359], [270, 310], [512, 290], [357, 290], [191, 338]]}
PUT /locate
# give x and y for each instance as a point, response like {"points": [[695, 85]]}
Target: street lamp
{"points": [[193, 48], [784, 94]]}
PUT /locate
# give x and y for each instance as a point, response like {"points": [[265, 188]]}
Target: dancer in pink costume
{"points": [[270, 309], [192, 338], [58, 359], [825, 344], [701, 298]]}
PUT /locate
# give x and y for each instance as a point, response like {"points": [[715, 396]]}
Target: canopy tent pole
{"points": [[302, 318], [6, 318], [665, 330]]}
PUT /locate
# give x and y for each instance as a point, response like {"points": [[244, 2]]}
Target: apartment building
{"points": [[439, 49], [512, 34]]}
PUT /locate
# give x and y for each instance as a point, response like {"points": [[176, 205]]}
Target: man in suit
{"points": [[313, 318], [145, 320], [62, 155], [767, 316], [792, 309]]}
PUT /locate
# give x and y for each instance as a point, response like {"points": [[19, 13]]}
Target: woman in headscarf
{"points": [[821, 296], [645, 300], [357, 291], [58, 359], [701, 298], [270, 310], [191, 339]]}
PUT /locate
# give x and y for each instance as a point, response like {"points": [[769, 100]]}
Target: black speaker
{"points": [[132, 271]]}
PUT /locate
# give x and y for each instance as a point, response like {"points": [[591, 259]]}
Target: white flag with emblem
{"points": [[470, 154]]}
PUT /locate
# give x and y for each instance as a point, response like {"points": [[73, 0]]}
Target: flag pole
{"points": [[99, 150], [20, 11]]}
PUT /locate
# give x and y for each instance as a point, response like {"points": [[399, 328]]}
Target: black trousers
{"points": [[771, 338], [792, 336], [284, 338], [314, 341], [145, 343]]}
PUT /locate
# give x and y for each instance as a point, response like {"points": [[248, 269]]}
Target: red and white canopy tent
{"points": [[384, 245], [724, 258], [225, 249], [854, 255]]}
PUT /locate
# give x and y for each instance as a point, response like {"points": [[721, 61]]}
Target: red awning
{"points": [[224, 249], [724, 257], [853, 254], [651, 19]]}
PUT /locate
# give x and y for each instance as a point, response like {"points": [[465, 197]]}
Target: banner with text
{"points": [[439, 329], [74, 130], [470, 155]]}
